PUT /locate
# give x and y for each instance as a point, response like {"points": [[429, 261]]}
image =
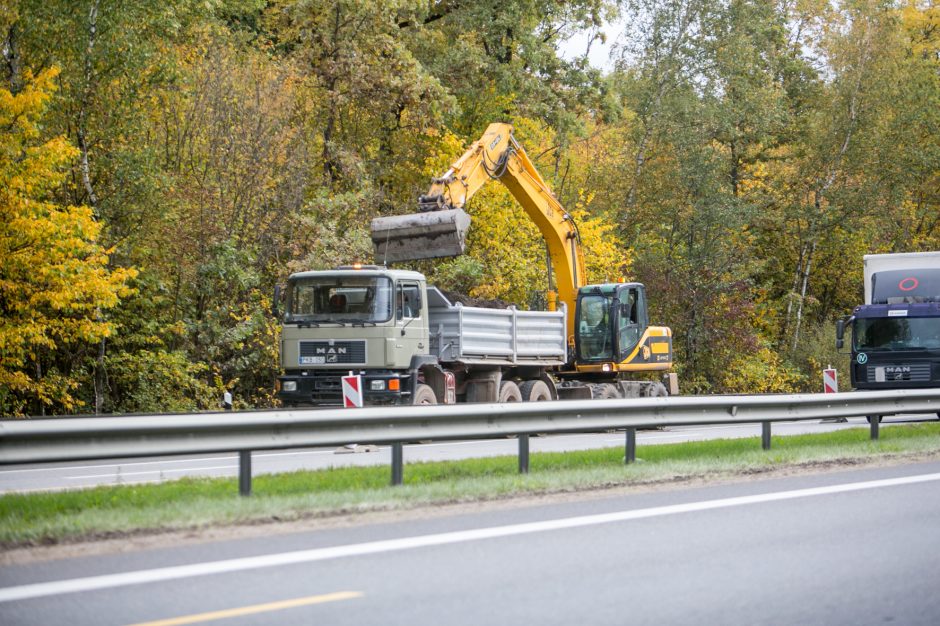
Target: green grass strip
{"points": [[51, 517]]}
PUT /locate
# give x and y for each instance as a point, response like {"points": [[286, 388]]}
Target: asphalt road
{"points": [[57, 476], [853, 547]]}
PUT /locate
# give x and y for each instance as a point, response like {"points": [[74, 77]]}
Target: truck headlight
{"points": [[289, 385], [377, 385]]}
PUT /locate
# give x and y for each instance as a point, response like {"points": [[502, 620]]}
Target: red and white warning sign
{"points": [[830, 381], [352, 391]]}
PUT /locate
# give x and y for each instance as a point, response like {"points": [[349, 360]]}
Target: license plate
{"points": [[312, 360]]}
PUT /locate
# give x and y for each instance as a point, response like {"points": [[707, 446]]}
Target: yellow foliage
{"points": [[508, 244], [923, 27], [605, 255], [761, 372], [54, 277]]}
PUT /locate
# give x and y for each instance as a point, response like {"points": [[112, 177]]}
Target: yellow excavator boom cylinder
{"points": [[440, 227]]}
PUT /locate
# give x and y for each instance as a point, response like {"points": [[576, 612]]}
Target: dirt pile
{"points": [[485, 303]]}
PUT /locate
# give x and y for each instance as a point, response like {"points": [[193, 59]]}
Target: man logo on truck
{"points": [[862, 358]]}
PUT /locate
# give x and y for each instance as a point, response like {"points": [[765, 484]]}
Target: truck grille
{"points": [[332, 353], [916, 372]]}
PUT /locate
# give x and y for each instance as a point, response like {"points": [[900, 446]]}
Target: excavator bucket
{"points": [[420, 235]]}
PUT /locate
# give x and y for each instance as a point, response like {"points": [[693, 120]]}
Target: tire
{"points": [[535, 391], [509, 392], [604, 391], [657, 390], [869, 418], [424, 395]]}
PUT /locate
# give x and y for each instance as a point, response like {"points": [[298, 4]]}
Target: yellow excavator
{"points": [[609, 335]]}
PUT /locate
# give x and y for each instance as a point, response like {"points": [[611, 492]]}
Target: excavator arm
{"points": [[440, 227]]}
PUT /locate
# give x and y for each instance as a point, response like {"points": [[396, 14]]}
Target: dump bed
{"points": [[475, 335]]}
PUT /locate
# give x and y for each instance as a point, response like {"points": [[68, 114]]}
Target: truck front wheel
{"points": [[424, 395]]}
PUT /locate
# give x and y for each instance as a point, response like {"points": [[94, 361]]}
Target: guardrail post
{"points": [[244, 472], [523, 454], [630, 452], [398, 470], [765, 435], [875, 425]]}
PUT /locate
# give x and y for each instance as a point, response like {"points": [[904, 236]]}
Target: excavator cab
{"points": [[610, 320]]}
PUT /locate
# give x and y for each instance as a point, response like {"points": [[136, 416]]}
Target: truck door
{"points": [[413, 327]]}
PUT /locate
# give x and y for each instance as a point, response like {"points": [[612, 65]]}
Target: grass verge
{"points": [[103, 512]]}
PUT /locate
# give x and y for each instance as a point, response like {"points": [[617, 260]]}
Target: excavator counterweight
{"points": [[416, 236]]}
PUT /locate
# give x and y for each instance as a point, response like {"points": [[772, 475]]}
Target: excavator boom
{"points": [[440, 227]]}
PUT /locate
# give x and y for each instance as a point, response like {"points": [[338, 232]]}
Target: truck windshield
{"points": [[342, 299], [594, 340], [897, 333]]}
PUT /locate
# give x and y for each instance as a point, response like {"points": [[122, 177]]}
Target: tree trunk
{"points": [[83, 107], [799, 310], [12, 59]]}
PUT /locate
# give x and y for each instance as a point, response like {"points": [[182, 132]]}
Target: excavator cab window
{"points": [[594, 336], [631, 319], [628, 322]]}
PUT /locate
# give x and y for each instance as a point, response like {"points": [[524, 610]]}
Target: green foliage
{"points": [[462, 274], [156, 381], [739, 160]]}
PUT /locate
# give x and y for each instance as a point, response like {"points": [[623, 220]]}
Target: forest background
{"points": [[163, 164]]}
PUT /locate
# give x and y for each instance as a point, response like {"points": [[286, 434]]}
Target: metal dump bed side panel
{"points": [[480, 335]]}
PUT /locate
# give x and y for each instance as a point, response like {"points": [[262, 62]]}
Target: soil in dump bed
{"points": [[485, 303]]}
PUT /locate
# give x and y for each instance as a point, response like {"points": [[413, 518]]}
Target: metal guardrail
{"points": [[93, 438]]}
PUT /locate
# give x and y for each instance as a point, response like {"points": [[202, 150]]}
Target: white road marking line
{"points": [[165, 471], [108, 581], [640, 437], [256, 455]]}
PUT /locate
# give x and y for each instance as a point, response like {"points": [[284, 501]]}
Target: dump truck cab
{"points": [[364, 319]]}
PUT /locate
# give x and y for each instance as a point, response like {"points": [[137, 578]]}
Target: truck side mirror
{"points": [[275, 308], [840, 334]]}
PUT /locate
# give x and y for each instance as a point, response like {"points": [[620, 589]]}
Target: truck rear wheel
{"points": [[535, 391], [424, 395], [509, 392]]}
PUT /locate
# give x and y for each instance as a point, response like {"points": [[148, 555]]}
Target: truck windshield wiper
{"points": [[353, 322]]}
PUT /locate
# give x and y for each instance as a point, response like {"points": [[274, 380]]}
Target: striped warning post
{"points": [[352, 391], [830, 381]]}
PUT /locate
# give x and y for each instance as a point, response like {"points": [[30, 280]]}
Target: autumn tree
{"points": [[55, 281]]}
